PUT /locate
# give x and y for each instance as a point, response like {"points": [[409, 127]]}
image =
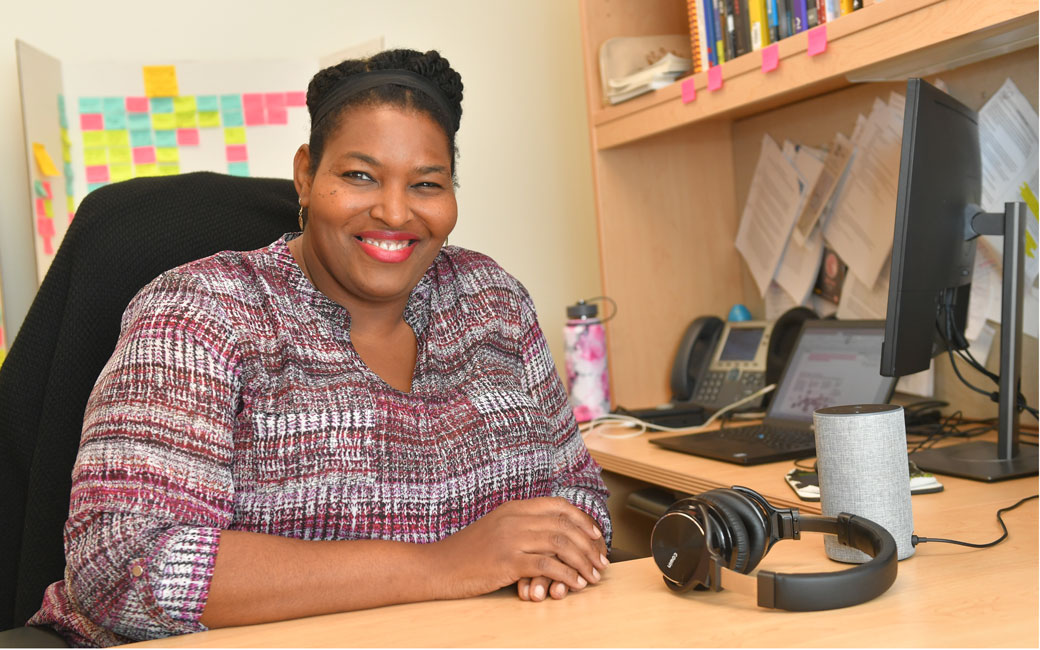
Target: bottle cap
{"points": [[582, 309]]}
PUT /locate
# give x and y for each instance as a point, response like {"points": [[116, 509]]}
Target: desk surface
{"points": [[944, 595]]}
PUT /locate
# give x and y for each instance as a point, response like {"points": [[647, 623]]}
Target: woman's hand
{"points": [[546, 538]]}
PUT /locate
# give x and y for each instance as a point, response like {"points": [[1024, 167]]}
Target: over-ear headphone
{"points": [[715, 539]]}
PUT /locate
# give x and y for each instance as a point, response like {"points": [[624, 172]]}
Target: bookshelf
{"points": [[671, 178]]}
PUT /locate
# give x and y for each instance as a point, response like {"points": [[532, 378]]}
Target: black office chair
{"points": [[122, 237]]}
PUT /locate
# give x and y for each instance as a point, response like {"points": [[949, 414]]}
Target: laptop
{"points": [[833, 363]]}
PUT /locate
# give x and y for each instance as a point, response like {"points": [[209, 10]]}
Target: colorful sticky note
{"points": [[93, 138], [235, 135], [277, 115], [160, 80], [164, 121], [95, 156], [117, 138], [90, 105], [187, 137], [146, 169], [140, 138], [46, 188], [113, 105], [274, 100], [238, 168], [40, 210], [296, 98], [206, 103], [252, 100], [231, 102], [143, 155], [45, 228], [186, 120], [714, 78], [161, 104], [70, 187], [136, 104], [169, 169], [48, 208], [255, 116], [234, 117], [97, 173], [689, 91], [167, 154], [770, 57], [167, 138], [209, 119], [818, 40], [237, 153], [91, 122], [70, 204], [39, 191], [184, 104], [138, 121], [121, 172], [44, 161], [118, 155], [93, 186]]}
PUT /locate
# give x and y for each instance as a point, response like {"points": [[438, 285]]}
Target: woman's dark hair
{"points": [[430, 65]]}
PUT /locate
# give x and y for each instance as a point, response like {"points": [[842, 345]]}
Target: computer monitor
{"points": [[938, 220]]}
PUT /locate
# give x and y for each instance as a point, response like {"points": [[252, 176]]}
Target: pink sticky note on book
{"points": [[770, 57], [689, 92], [714, 78], [818, 40]]}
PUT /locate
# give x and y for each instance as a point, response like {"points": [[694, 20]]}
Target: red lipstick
{"points": [[387, 245]]}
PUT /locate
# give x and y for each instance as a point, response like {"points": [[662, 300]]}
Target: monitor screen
{"points": [[741, 344]]}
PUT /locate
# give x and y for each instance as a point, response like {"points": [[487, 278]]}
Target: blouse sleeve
{"points": [[152, 484], [577, 474]]}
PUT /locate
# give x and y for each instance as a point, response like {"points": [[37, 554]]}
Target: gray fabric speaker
{"points": [[863, 470]]}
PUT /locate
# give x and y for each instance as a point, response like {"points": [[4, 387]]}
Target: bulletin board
{"points": [[90, 124]]}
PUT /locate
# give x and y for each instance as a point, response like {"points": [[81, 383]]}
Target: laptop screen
{"points": [[833, 364]]}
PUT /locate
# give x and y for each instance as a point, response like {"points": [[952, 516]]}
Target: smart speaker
{"points": [[863, 470]]}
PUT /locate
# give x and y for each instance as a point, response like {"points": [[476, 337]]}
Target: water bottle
{"points": [[585, 358]]}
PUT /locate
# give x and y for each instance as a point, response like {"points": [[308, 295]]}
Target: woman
{"points": [[354, 416]]}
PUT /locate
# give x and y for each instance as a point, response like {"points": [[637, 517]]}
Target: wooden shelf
{"points": [[886, 41]]}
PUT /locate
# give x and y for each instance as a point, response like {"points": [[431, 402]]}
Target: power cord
{"points": [[915, 540]]}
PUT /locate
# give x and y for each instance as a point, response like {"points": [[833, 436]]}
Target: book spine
{"points": [[833, 9], [720, 31], [799, 19], [693, 15], [783, 17], [772, 17], [731, 30], [759, 24], [846, 7], [810, 14], [709, 33], [743, 26], [821, 11]]}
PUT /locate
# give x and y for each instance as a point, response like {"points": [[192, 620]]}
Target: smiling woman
{"points": [[354, 416]]}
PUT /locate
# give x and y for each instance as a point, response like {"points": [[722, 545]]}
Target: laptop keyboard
{"points": [[771, 436]]}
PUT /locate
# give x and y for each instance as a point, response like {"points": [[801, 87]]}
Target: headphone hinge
{"points": [[786, 523], [766, 593]]}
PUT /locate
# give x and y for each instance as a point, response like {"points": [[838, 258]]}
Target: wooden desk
{"points": [[944, 596]]}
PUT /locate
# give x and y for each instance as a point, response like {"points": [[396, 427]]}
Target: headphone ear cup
{"points": [[738, 555], [756, 528]]}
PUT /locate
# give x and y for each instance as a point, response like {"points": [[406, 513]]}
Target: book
{"points": [[729, 36], [741, 27], [758, 22], [833, 9], [811, 14], [709, 32], [783, 17], [773, 20], [846, 7], [697, 51], [799, 17], [821, 12]]}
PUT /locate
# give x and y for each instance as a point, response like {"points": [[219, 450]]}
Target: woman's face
{"points": [[379, 206]]}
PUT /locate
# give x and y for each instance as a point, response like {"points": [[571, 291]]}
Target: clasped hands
{"points": [[547, 546]]}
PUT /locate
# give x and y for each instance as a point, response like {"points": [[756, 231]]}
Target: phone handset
{"points": [[694, 355]]}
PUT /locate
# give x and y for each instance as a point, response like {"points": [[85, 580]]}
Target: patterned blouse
{"points": [[234, 400]]}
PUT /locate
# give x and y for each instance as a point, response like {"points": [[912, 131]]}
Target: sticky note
{"points": [[167, 138], [296, 98], [164, 121], [93, 138], [39, 191], [62, 122], [91, 122], [46, 189], [818, 40], [140, 138], [188, 137], [97, 173], [169, 169], [136, 104], [234, 117], [70, 187], [186, 120], [44, 161], [235, 135], [255, 116], [231, 102], [121, 172], [714, 78], [252, 100], [206, 103], [117, 138], [161, 104], [184, 104], [113, 105], [95, 156], [67, 168], [167, 154], [238, 168], [45, 228], [40, 210], [210, 119], [770, 57], [90, 105], [143, 155], [274, 100], [689, 91], [118, 155], [237, 153], [160, 80], [138, 121], [70, 204], [48, 208], [146, 169], [277, 115], [93, 186]]}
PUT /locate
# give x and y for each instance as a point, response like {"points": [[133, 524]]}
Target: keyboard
{"points": [[771, 436], [745, 445]]}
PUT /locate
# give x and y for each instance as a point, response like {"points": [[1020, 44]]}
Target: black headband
{"points": [[365, 80]]}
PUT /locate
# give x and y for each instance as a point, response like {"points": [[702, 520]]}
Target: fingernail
{"points": [[561, 590], [582, 582], [596, 534], [595, 574], [539, 592], [603, 558], [527, 592]]}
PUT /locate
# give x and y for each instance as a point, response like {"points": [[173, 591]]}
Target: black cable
{"points": [[915, 540]]}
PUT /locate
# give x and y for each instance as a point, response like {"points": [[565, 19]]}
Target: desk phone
{"points": [[721, 362]]}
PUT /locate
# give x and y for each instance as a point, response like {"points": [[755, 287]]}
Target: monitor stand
{"points": [[1006, 458]]}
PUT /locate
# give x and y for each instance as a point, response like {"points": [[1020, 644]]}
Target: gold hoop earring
{"points": [[301, 215]]}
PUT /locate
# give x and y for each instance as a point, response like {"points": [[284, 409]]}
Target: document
{"points": [[834, 166], [861, 227], [769, 214], [861, 301], [800, 263]]}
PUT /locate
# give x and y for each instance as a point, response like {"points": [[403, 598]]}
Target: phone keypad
{"points": [[711, 386]]}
